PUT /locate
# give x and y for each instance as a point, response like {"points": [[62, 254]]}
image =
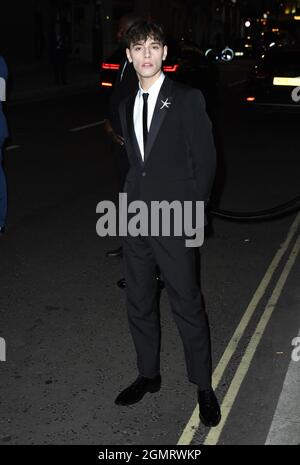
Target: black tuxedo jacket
{"points": [[122, 88], [180, 156]]}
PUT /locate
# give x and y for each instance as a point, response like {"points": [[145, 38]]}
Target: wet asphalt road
{"points": [[69, 351]]}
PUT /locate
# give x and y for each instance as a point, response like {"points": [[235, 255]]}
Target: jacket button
{"points": [[143, 173]]}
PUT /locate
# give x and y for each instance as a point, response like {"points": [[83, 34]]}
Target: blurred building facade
{"points": [[26, 27]]}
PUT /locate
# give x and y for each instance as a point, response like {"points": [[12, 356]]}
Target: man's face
{"points": [[147, 57]]}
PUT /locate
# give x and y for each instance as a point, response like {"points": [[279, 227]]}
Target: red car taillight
{"points": [[170, 69], [114, 66]]}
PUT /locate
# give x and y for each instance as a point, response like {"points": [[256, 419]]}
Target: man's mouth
{"points": [[146, 65]]}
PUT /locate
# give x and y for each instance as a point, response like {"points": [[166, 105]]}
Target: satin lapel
{"points": [[159, 113], [131, 131]]}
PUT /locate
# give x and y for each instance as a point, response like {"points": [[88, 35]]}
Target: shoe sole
{"points": [[150, 390]]}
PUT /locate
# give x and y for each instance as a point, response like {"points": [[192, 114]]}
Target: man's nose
{"points": [[146, 52]]}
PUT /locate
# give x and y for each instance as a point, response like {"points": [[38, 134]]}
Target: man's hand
{"points": [[117, 139]]}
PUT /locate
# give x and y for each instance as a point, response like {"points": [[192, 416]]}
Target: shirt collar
{"points": [[155, 88]]}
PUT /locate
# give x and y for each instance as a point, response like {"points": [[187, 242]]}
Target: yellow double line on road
{"points": [[193, 423]]}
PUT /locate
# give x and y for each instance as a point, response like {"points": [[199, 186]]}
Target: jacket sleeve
{"points": [[198, 128]]}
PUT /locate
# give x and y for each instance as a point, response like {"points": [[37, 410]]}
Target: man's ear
{"points": [[165, 52], [128, 55]]}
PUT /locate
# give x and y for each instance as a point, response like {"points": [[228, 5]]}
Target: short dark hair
{"points": [[140, 31]]}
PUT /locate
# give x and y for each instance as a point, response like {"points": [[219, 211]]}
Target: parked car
{"points": [[274, 80]]}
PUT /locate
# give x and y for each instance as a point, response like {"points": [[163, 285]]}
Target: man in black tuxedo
{"points": [[168, 138]]}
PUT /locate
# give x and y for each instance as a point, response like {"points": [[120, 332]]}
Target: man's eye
{"points": [[156, 47], [137, 48]]}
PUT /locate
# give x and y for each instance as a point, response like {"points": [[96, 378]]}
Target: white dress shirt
{"points": [[153, 92]]}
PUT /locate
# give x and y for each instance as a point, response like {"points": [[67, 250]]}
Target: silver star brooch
{"points": [[165, 104]]}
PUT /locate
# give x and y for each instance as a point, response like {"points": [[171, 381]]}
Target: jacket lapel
{"points": [[160, 112]]}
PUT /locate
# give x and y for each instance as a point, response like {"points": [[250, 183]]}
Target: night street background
{"points": [[69, 351]]}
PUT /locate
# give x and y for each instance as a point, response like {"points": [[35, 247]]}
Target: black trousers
{"points": [[178, 267], [121, 164]]}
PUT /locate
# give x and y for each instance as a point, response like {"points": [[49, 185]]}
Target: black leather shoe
{"points": [[209, 409], [2, 230], [115, 253], [121, 283], [136, 391]]}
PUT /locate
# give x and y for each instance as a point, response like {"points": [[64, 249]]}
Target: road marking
{"points": [[214, 434], [237, 83], [285, 426], [12, 147], [193, 423], [97, 123]]}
